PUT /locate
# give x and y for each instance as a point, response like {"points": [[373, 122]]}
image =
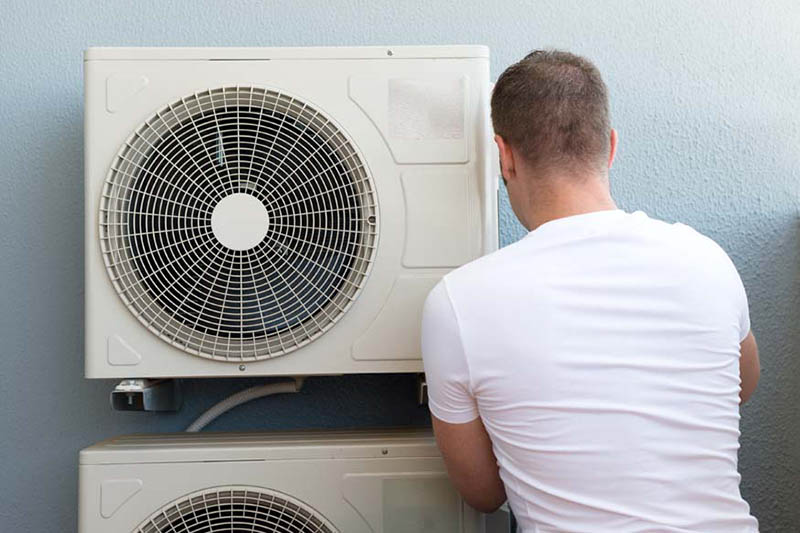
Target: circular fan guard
{"points": [[236, 510], [174, 273]]}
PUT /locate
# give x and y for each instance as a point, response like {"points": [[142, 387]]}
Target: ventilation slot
{"points": [[236, 510]]}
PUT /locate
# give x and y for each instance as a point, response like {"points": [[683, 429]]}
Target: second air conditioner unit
{"points": [[278, 211], [302, 482]]}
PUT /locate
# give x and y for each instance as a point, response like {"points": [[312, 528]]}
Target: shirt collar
{"points": [[594, 219]]}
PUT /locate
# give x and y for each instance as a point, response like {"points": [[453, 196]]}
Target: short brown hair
{"points": [[552, 106]]}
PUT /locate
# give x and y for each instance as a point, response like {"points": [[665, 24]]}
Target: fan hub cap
{"points": [[240, 221]]}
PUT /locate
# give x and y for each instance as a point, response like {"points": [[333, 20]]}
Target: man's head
{"points": [[551, 120]]}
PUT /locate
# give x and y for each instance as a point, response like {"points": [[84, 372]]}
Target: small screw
{"points": [[242, 368], [371, 219], [384, 452], [389, 53]]}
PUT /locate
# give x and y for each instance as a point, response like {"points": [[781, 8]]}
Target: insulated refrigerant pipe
{"points": [[241, 397]]}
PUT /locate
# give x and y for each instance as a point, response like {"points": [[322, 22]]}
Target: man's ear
{"points": [[507, 164], [612, 145]]}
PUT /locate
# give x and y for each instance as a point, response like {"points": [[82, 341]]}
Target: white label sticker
{"points": [[426, 109]]}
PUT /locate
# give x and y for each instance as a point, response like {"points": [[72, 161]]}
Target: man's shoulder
{"points": [[486, 270], [685, 236], [691, 251]]}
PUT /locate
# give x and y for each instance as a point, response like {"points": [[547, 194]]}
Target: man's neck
{"points": [[555, 198]]}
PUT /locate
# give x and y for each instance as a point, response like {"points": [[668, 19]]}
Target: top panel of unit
{"points": [[193, 447], [243, 54]]}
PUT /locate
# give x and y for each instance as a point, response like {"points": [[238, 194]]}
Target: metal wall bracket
{"points": [[422, 390], [147, 395]]}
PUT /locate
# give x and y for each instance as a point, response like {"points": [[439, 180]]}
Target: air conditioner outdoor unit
{"points": [[278, 211], [301, 482]]}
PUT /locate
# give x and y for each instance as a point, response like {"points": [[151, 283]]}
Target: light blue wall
{"points": [[705, 96]]}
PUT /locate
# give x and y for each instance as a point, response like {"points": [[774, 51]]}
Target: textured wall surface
{"points": [[705, 96]]}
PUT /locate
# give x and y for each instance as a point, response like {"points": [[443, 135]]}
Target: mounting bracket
{"points": [[422, 390], [147, 395]]}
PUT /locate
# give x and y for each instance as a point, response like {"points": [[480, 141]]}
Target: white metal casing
{"points": [[359, 481], [436, 196]]}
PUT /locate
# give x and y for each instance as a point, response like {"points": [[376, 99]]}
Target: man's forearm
{"points": [[471, 464]]}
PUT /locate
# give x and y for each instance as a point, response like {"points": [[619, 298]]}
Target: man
{"points": [[591, 372]]}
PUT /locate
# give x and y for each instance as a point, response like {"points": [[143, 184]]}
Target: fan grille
{"points": [[176, 273], [236, 510]]}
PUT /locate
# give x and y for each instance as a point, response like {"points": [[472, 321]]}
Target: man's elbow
{"points": [[749, 387], [486, 503], [749, 367], [488, 509]]}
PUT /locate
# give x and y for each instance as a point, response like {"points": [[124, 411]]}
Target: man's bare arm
{"points": [[471, 463], [749, 367]]}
